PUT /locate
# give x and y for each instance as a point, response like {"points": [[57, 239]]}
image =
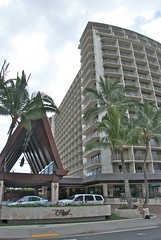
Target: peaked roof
{"points": [[37, 147]]}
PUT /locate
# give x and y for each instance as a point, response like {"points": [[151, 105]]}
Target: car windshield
{"points": [[71, 197]]}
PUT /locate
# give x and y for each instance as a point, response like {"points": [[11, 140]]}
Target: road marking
{"points": [[45, 235], [141, 234]]}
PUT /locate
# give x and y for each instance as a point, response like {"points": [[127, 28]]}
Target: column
{"points": [[105, 192], [1, 191], [54, 192], [44, 192]]}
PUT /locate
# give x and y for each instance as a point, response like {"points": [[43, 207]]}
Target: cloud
{"points": [[66, 68], [151, 29], [5, 2], [29, 51]]}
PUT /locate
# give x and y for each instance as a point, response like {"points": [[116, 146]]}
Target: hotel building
{"points": [[131, 58]]}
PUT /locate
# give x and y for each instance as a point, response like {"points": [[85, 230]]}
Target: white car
{"points": [[33, 200], [82, 199]]}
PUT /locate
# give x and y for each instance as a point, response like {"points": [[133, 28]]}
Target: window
{"points": [[79, 198], [89, 198], [98, 198], [33, 199]]}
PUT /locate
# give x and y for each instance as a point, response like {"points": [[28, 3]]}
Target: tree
{"points": [[16, 102], [109, 93], [111, 99], [148, 126], [118, 131]]}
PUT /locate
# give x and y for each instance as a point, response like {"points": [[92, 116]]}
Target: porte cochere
{"points": [[38, 148]]}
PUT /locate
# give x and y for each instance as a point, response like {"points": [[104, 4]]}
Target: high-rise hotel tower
{"points": [[121, 54]]}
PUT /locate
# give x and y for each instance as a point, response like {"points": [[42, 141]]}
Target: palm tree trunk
{"points": [[126, 183], [146, 200]]}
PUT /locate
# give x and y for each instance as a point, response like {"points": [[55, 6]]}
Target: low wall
{"points": [[131, 213], [54, 213]]}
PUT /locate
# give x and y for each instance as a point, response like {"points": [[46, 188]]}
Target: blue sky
{"points": [[42, 37]]}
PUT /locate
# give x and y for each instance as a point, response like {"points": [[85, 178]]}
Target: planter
{"points": [[55, 213], [131, 213]]}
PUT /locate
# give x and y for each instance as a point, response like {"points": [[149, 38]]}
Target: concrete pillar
{"points": [[54, 192], [68, 192], [44, 191], [36, 191], [105, 191], [1, 191], [144, 190]]}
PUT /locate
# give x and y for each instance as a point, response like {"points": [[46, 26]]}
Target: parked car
{"points": [[35, 200], [82, 199]]}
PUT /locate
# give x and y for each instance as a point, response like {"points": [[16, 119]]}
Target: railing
{"points": [[91, 162]]}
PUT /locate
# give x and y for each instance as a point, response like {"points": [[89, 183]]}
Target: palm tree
{"points": [[148, 126], [118, 131], [110, 93], [16, 102]]}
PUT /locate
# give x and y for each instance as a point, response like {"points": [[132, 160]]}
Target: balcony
{"points": [[127, 63], [151, 53], [140, 58], [117, 157], [145, 76], [91, 138], [125, 46], [108, 43], [109, 52], [112, 70], [151, 61], [126, 54], [138, 50], [147, 96], [129, 73], [91, 153], [157, 88], [110, 62], [143, 85], [139, 157], [156, 79], [91, 103], [88, 127], [88, 75], [156, 157], [156, 70], [142, 67], [92, 163]]}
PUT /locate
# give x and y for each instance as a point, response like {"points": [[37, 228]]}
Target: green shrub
{"points": [[123, 206]]}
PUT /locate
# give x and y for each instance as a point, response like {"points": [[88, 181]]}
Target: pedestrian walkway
{"points": [[71, 229]]}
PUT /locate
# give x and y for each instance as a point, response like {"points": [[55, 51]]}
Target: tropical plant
{"points": [[110, 93], [148, 127], [118, 131], [16, 102], [112, 101]]}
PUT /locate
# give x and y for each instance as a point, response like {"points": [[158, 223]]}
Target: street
{"points": [[141, 234], [126, 229]]}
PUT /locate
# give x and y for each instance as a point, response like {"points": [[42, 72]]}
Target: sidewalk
{"points": [[70, 229]]}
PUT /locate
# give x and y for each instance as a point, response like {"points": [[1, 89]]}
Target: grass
{"points": [[114, 217]]}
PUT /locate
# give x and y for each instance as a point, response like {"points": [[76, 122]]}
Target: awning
{"points": [[154, 185]]}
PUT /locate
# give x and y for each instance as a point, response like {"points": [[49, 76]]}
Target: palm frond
{"points": [[4, 111]]}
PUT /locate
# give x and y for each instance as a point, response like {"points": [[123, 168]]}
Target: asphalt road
{"points": [[150, 233], [142, 234]]}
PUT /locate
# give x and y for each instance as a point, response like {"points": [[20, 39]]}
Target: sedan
{"points": [[33, 200]]}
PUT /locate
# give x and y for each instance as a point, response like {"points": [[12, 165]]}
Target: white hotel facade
{"points": [[131, 58]]}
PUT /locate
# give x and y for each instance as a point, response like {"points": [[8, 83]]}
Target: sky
{"points": [[41, 37]]}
